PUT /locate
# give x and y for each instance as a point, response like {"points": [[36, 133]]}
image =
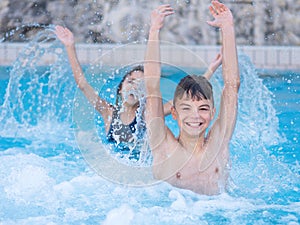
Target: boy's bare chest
{"points": [[199, 168], [201, 179]]}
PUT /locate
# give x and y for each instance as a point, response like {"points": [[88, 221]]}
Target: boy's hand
{"points": [[64, 35], [222, 15], [158, 15]]}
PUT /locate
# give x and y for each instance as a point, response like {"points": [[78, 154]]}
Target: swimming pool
{"points": [[44, 177]]}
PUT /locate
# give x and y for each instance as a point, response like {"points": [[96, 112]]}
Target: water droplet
{"points": [[295, 139]]}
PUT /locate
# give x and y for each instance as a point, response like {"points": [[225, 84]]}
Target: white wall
{"points": [[263, 57]]}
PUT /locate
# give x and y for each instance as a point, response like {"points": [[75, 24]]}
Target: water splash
{"points": [[254, 169], [19, 33], [38, 95], [131, 149], [39, 99]]}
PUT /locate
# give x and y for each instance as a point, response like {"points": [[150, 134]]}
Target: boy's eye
{"points": [[204, 109], [186, 108]]}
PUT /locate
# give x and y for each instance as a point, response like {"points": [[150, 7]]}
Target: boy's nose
{"points": [[196, 113]]}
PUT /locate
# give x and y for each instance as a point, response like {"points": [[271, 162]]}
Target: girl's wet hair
{"points": [[195, 87], [134, 69]]}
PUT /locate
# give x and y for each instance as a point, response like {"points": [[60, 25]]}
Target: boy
{"points": [[193, 160]]}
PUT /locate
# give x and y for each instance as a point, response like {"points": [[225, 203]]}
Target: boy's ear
{"points": [[213, 113], [173, 112]]}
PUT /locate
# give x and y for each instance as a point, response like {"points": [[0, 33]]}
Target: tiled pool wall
{"points": [[263, 57]]}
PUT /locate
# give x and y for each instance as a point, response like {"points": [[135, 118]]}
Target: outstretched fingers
{"points": [[60, 30], [212, 11], [218, 7], [221, 13], [158, 15], [165, 10], [64, 35]]}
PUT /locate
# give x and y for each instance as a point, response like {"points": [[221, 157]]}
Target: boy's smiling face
{"points": [[193, 116]]}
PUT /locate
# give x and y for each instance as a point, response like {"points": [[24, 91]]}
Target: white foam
{"points": [[179, 203], [121, 216]]}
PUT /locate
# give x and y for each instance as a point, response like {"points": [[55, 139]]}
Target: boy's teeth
{"points": [[194, 124]]}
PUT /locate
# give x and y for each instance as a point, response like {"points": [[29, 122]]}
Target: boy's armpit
{"points": [[157, 131]]}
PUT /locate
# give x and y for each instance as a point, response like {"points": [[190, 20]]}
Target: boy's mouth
{"points": [[194, 124]]}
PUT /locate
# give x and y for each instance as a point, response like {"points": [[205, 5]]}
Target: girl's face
{"points": [[131, 88]]}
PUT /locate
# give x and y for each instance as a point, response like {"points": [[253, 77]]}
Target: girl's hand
{"points": [[64, 35], [213, 66]]}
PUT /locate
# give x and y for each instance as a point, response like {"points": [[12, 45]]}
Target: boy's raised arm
{"points": [[228, 109], [152, 72]]}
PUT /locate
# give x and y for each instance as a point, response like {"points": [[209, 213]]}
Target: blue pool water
{"points": [[46, 179]]}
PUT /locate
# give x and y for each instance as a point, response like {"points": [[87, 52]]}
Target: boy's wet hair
{"points": [[134, 69], [195, 87]]}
